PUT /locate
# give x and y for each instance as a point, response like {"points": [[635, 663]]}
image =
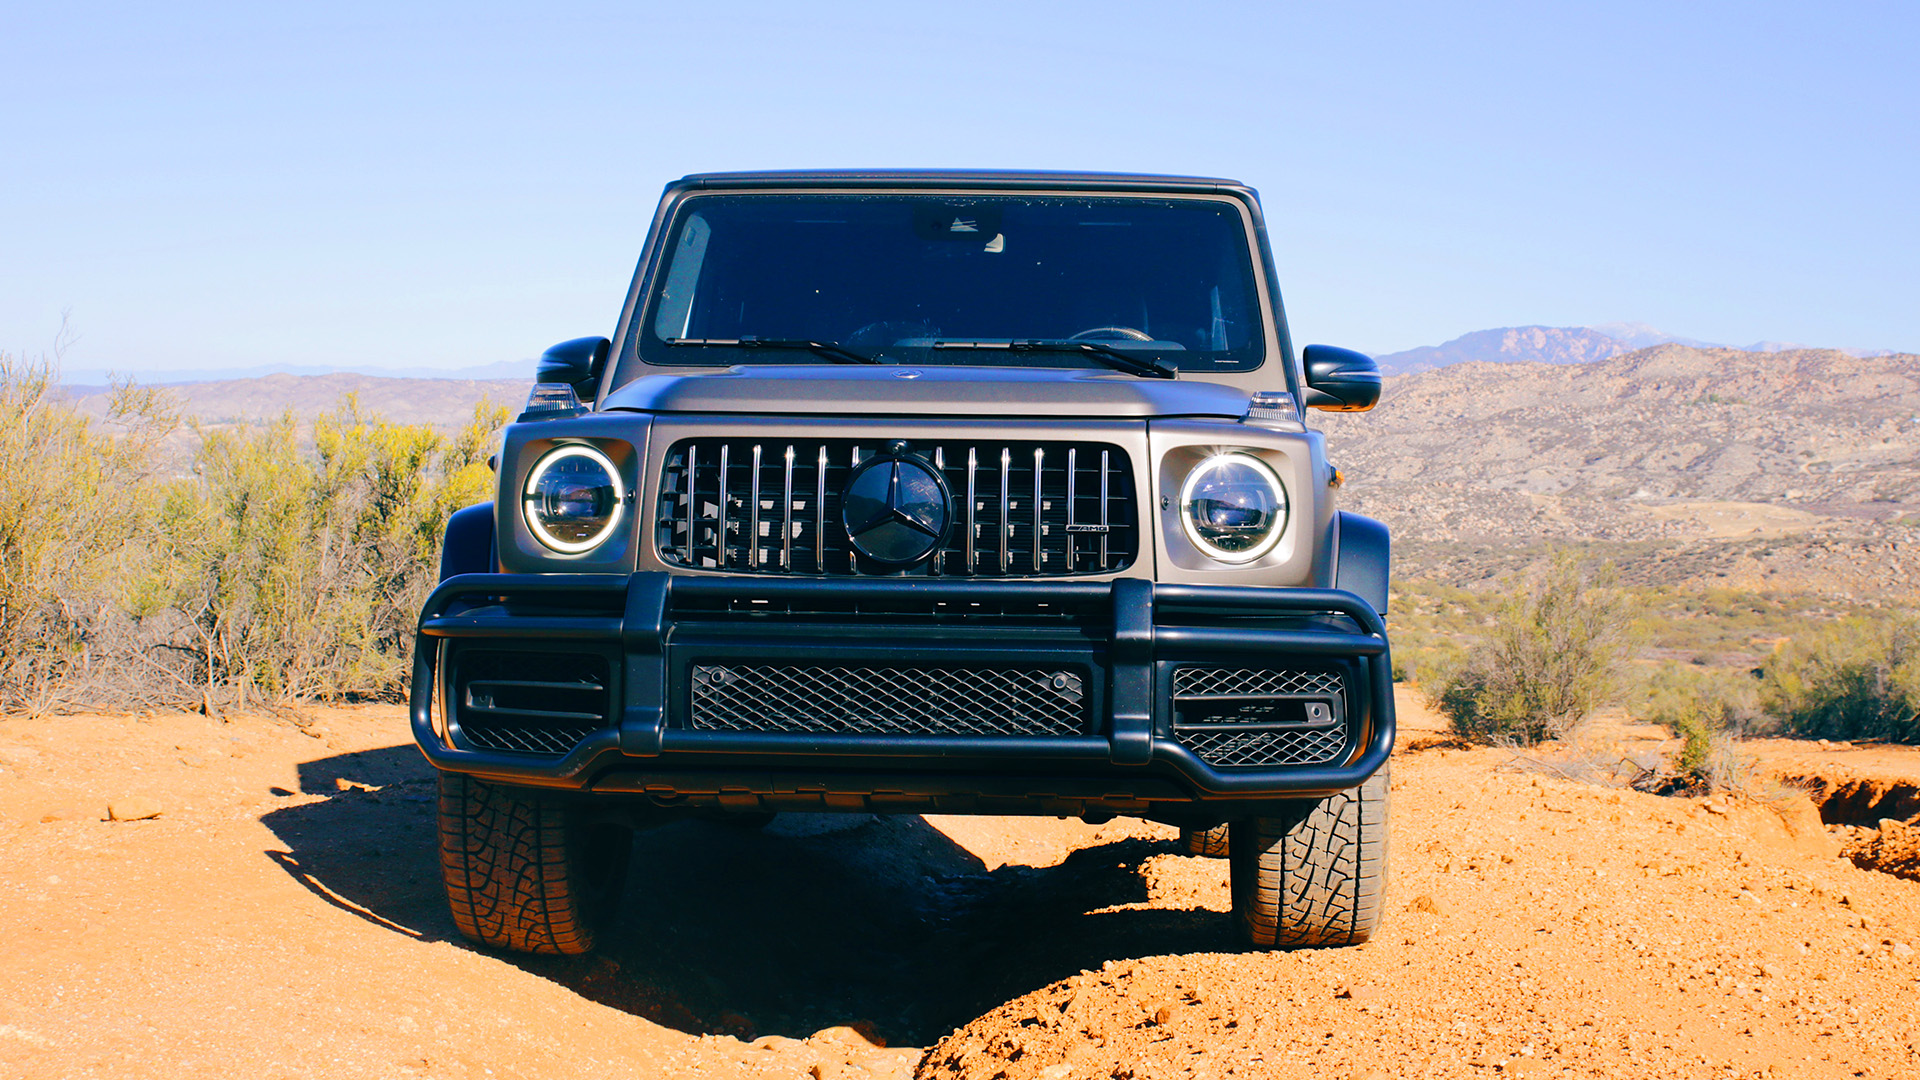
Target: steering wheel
{"points": [[1112, 333]]}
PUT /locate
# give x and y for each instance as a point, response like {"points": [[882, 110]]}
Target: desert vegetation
{"points": [[260, 565], [1856, 679], [1531, 657], [1551, 653]]}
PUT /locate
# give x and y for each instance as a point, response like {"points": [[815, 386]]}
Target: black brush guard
{"points": [[657, 628]]}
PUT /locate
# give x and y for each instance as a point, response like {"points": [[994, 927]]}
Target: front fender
{"points": [[1362, 551], [469, 547]]}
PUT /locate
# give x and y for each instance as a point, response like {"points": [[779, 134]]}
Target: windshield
{"points": [[954, 279]]}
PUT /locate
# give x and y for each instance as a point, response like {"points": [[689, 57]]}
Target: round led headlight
{"points": [[1234, 507], [573, 499]]}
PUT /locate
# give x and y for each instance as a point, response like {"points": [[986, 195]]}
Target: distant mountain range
{"points": [[1506, 344], [1561, 345], [441, 402], [504, 369]]}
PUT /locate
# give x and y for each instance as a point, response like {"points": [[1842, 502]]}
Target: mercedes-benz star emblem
{"points": [[896, 508]]}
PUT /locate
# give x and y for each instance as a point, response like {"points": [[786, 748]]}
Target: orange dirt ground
{"points": [[282, 917]]}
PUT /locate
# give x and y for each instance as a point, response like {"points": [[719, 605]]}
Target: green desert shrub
{"points": [[303, 571], [76, 506], [1551, 655], [280, 567], [1721, 698], [1858, 679], [1708, 710]]}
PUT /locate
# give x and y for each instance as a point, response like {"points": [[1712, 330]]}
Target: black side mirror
{"points": [[578, 363], [1341, 380]]}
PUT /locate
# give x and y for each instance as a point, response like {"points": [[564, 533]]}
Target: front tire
{"points": [[1313, 878], [523, 871], [1207, 843]]}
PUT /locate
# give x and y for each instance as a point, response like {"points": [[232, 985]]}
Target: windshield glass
{"points": [[954, 279]]}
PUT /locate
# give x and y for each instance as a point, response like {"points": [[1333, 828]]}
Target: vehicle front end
{"points": [[1071, 643], [964, 546]]}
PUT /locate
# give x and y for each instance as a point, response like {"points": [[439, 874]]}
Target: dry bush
{"points": [[272, 573], [76, 507], [1709, 710], [1708, 761], [1859, 679], [302, 574], [1553, 653]]}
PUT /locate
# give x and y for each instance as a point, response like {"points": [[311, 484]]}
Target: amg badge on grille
{"points": [[896, 507]]}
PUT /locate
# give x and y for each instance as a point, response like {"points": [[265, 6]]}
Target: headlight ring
{"points": [[573, 499], [1233, 507]]}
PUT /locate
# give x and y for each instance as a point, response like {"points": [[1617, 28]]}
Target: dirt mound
{"points": [[1129, 1020], [1868, 795]]}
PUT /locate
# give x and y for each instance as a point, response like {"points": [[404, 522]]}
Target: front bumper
{"points": [[1121, 648]]}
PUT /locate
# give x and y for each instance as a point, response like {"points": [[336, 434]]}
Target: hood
{"points": [[837, 390]]}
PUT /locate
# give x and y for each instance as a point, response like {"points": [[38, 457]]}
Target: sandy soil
{"points": [[282, 917]]}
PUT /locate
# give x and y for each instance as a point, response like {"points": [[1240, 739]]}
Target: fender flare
{"points": [[1362, 555], [469, 547]]}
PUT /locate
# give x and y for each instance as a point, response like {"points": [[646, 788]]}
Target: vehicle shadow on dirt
{"points": [[816, 920]]}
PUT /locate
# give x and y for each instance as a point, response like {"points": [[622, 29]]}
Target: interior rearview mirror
{"points": [[1341, 380]]}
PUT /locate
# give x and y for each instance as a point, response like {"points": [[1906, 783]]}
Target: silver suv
{"points": [[920, 492]]}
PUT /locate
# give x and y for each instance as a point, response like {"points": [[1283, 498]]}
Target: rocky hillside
{"points": [[1671, 443]]}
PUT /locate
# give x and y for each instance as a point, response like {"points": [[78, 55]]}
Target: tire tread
{"points": [[1316, 879], [510, 871], [1208, 843]]}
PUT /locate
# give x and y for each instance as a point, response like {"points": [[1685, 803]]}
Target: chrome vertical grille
{"points": [[1020, 509]]}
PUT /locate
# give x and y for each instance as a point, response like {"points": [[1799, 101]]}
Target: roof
{"points": [[1017, 178]]}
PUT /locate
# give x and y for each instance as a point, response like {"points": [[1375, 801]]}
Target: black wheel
{"points": [[1316, 877], [523, 871], [1211, 843]]}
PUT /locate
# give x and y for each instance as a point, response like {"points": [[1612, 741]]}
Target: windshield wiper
{"points": [[830, 350], [1118, 359]]}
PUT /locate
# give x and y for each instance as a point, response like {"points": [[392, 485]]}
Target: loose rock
{"points": [[858, 1033]]}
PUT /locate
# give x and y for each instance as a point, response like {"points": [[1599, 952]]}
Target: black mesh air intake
{"points": [[529, 702], [889, 700], [1259, 717]]}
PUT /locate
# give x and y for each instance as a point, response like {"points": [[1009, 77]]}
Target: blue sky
{"points": [[392, 184]]}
